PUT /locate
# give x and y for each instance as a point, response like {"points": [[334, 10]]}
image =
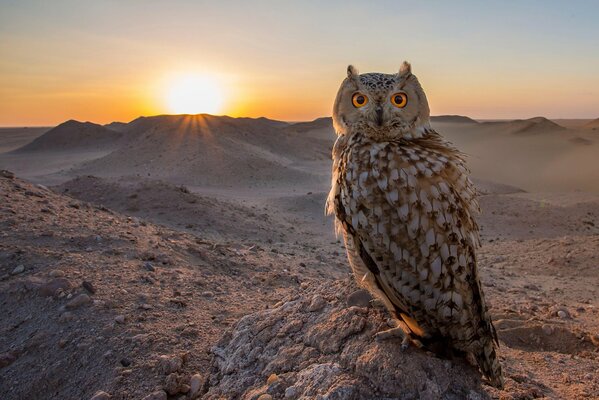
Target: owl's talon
{"points": [[398, 330]]}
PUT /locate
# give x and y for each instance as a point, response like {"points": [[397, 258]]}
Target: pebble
{"points": [[78, 301], [7, 174], [563, 314], [18, 269], [119, 319], [54, 286], [208, 294], [89, 287], [157, 395], [169, 364], [57, 273], [125, 362], [195, 384], [317, 303], [272, 379], [360, 298], [101, 396], [66, 316], [547, 329], [148, 266], [291, 392]]}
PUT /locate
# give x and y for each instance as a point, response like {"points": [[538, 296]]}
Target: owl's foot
{"points": [[399, 330]]}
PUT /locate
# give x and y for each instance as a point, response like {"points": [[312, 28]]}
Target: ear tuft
{"points": [[405, 69], [352, 72]]}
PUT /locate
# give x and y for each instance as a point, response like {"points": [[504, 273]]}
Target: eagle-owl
{"points": [[405, 205]]}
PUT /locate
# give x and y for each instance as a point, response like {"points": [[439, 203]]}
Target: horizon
{"points": [[279, 120], [287, 65]]}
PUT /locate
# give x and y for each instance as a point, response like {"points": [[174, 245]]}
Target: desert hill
{"points": [[536, 125], [593, 125], [209, 150], [72, 135], [453, 118]]}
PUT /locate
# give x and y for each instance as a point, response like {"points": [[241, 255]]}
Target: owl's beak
{"points": [[379, 115]]}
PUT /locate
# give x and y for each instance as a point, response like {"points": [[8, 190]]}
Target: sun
{"points": [[194, 95]]}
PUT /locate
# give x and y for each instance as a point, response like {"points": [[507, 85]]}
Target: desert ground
{"points": [[189, 257]]}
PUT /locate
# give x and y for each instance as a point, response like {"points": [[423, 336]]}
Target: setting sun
{"points": [[194, 95]]}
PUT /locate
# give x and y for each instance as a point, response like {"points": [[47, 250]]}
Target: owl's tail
{"points": [[489, 363]]}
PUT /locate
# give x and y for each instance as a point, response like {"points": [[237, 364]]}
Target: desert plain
{"points": [[188, 256]]}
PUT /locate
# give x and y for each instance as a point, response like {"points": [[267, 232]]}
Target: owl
{"points": [[404, 203]]}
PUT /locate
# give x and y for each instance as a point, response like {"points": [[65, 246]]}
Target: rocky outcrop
{"points": [[320, 345]]}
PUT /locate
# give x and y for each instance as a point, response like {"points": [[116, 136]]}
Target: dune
{"points": [[72, 135], [208, 150], [593, 125], [453, 118]]}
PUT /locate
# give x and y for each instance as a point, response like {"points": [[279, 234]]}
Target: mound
{"points": [[72, 135], [454, 119], [117, 126], [210, 150], [176, 207], [318, 123], [594, 124], [533, 126], [320, 345]]}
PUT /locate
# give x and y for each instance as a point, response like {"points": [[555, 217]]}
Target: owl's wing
{"points": [[411, 209]]}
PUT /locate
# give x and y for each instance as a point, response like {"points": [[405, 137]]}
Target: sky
{"points": [[106, 61]]}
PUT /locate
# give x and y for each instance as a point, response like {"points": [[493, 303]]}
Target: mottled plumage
{"points": [[405, 205]]}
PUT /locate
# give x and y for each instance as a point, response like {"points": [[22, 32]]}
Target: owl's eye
{"points": [[399, 100], [359, 100]]}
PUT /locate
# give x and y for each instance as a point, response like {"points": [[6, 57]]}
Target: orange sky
{"points": [[107, 61]]}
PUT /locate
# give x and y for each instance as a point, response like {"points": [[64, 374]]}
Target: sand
{"points": [[184, 224]]}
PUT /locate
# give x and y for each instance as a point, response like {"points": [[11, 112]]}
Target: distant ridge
{"points": [[453, 118], [318, 123], [535, 125], [593, 125], [73, 135]]}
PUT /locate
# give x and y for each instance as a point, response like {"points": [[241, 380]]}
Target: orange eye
{"points": [[399, 100], [359, 100]]}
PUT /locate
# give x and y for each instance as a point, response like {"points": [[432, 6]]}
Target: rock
{"points": [[174, 384], [272, 379], [7, 174], [119, 319], [18, 269], [317, 303], [265, 396], [195, 384], [78, 301], [157, 395], [547, 329], [89, 287], [57, 273], [55, 286], [66, 316], [148, 266], [332, 355], [168, 364], [563, 314], [125, 362], [101, 396], [8, 358], [359, 298]]}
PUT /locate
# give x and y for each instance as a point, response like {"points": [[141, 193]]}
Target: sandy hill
{"points": [[211, 150], [594, 125], [117, 126], [453, 118], [72, 135], [536, 125], [176, 207]]}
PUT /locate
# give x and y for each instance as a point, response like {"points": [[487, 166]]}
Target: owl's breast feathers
{"points": [[410, 205]]}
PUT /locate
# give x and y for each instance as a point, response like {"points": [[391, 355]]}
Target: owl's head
{"points": [[382, 106]]}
